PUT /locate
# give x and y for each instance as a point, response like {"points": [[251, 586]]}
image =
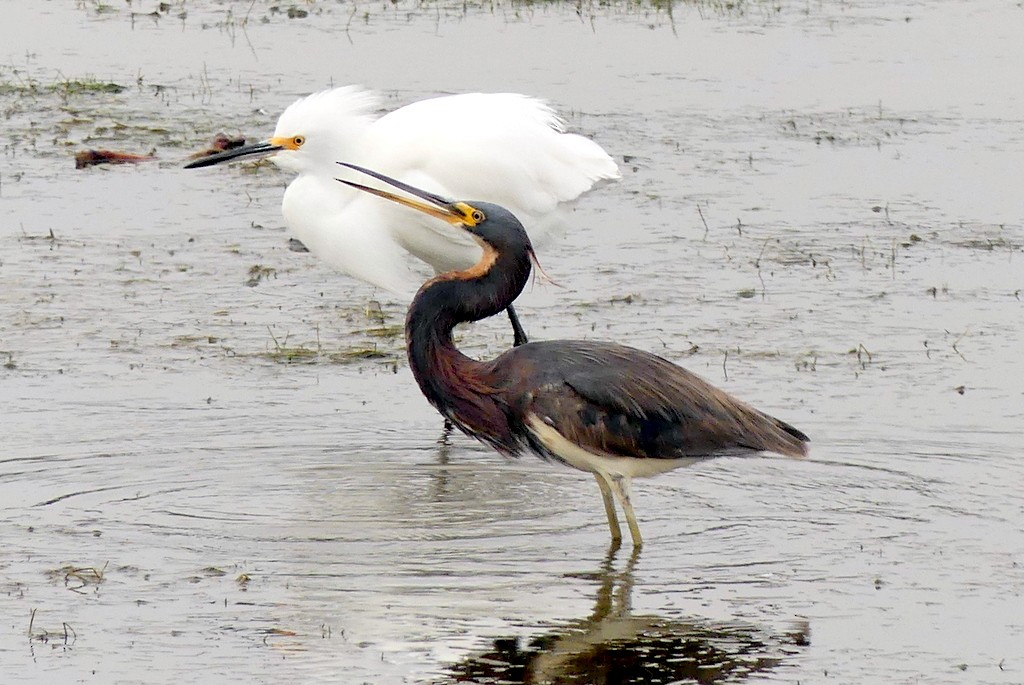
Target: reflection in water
{"points": [[444, 449], [614, 646]]}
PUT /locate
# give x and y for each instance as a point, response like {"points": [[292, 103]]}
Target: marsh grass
{"points": [[78, 578], [282, 352], [14, 83], [234, 19], [66, 634]]}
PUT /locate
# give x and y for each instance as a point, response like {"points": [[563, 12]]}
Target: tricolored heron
{"points": [[507, 148], [615, 411]]}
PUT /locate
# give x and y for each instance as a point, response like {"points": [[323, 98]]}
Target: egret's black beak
{"points": [[458, 213], [263, 149]]}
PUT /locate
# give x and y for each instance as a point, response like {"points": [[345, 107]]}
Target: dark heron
{"points": [[608, 409]]}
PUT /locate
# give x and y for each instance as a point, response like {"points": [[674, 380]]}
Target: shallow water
{"points": [[820, 213]]}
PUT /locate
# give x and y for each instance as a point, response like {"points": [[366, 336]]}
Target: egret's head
{"points": [[312, 133], [322, 128]]}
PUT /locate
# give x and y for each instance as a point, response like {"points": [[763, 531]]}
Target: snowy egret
{"points": [[615, 411], [506, 148]]}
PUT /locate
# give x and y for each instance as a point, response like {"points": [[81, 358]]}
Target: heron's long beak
{"points": [[458, 213], [262, 149]]}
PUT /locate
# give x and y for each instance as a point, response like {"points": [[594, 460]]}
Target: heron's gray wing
{"points": [[622, 401]]}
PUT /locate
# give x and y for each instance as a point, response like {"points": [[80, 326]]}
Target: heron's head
{"points": [[311, 133], [489, 224]]}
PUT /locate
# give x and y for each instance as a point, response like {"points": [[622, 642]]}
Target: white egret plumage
{"points": [[505, 148]]}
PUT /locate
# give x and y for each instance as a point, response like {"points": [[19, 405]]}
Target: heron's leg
{"points": [[444, 442], [609, 506], [621, 486], [519, 335]]}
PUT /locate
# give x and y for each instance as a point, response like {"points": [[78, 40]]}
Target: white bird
{"points": [[504, 148]]}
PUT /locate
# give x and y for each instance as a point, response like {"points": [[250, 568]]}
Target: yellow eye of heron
{"points": [[297, 141], [477, 216]]}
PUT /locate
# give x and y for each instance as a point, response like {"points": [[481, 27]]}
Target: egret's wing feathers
{"points": [[618, 400], [351, 234], [503, 148]]}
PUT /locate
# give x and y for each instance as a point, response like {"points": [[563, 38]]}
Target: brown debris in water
{"points": [[219, 143], [87, 158]]}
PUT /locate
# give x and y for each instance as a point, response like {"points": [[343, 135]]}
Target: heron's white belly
{"points": [[597, 462]]}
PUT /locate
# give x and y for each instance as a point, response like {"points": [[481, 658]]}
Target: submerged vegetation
{"points": [[18, 84], [58, 115]]}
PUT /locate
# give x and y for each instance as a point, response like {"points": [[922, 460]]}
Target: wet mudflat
{"points": [[216, 465]]}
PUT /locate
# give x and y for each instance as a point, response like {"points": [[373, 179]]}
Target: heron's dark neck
{"points": [[454, 383], [458, 297]]}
